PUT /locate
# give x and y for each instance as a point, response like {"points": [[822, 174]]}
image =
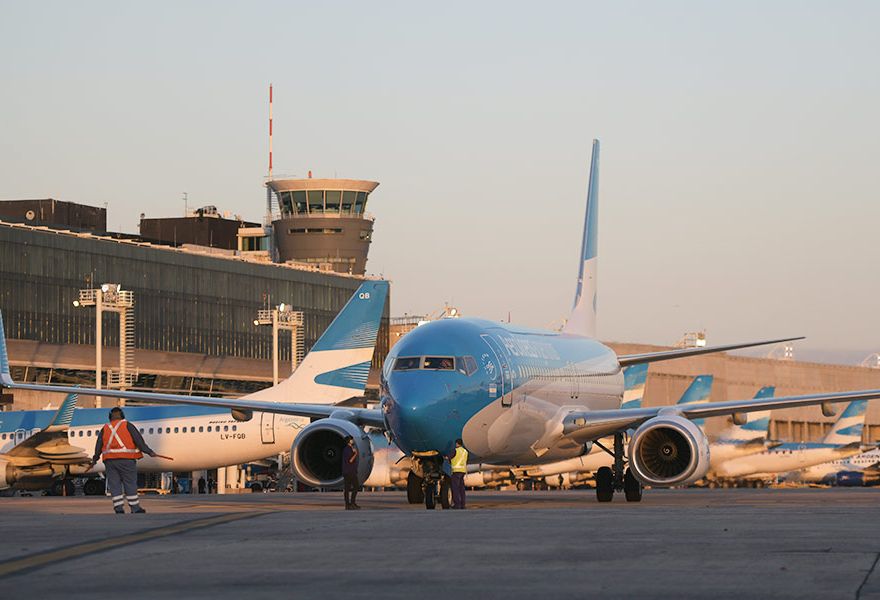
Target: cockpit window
{"points": [[407, 363], [467, 365], [443, 363]]}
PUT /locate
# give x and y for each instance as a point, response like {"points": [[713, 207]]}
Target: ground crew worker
{"points": [[121, 445], [350, 484], [459, 469]]}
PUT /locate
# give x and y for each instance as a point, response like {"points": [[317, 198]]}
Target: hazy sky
{"points": [[740, 142]]}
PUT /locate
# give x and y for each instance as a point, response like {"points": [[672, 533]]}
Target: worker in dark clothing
{"points": [[350, 473], [201, 485], [121, 445]]}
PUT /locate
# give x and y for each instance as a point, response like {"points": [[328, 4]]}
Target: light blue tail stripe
{"points": [[635, 376], [589, 242], [4, 357], [353, 377], [65, 413], [357, 324]]}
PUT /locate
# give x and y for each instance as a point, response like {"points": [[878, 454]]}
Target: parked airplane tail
{"points": [[848, 427], [698, 392], [337, 366], [634, 379], [582, 320], [758, 425]]}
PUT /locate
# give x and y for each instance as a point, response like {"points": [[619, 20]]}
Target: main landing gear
{"points": [[617, 479], [427, 483]]}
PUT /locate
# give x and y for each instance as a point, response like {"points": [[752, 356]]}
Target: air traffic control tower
{"points": [[324, 223]]}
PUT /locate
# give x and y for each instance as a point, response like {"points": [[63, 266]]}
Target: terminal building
{"points": [[197, 284]]}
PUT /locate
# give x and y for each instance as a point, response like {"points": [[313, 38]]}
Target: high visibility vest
{"points": [[459, 461], [118, 442]]}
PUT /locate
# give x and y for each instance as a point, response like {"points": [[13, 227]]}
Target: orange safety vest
{"points": [[118, 442]]}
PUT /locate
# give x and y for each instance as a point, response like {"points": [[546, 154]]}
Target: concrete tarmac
{"points": [[784, 543]]}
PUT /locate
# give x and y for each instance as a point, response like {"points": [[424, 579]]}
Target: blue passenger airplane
{"points": [[515, 396]]}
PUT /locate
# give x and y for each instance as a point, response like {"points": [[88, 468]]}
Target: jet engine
{"points": [[487, 477], [27, 478], [669, 450], [316, 454]]}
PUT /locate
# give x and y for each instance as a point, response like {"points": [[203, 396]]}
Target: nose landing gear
{"points": [[617, 479], [427, 483]]}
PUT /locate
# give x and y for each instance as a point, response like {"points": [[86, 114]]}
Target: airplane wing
{"points": [[590, 425], [50, 445], [637, 359]]}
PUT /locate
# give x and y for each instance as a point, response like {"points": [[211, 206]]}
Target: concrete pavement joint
{"points": [[42, 559], [867, 576]]}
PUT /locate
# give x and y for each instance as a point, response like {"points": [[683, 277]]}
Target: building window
{"points": [[316, 201], [366, 235], [348, 200], [299, 202], [333, 198]]}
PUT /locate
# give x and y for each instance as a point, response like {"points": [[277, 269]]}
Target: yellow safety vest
{"points": [[459, 461]]}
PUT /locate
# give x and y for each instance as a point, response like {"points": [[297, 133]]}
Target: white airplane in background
{"points": [[197, 437], [844, 440], [861, 469], [515, 395]]}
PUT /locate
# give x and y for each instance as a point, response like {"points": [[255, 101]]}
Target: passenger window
{"points": [[226, 428], [443, 363], [89, 433], [407, 363], [151, 431], [209, 429], [235, 428], [201, 429], [142, 430], [167, 430], [80, 433], [175, 430]]}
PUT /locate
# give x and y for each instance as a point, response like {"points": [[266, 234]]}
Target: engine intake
{"points": [[316, 454], [668, 451]]}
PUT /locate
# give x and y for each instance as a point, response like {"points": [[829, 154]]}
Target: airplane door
{"points": [[20, 436], [267, 427], [502, 379]]}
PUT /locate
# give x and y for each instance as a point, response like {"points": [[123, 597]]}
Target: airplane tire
{"points": [[632, 487], [431, 496], [446, 493], [94, 487], [414, 492], [604, 484]]}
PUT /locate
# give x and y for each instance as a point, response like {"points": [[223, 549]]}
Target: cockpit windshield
{"points": [[443, 363], [407, 363]]}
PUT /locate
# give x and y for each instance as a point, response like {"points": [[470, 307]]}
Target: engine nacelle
{"points": [[7, 476], [669, 450], [568, 480], [316, 454], [487, 477], [389, 469]]}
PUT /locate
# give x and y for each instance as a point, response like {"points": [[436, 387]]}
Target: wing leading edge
{"points": [[648, 357], [591, 425]]}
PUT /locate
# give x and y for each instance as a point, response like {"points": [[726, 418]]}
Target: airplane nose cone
{"points": [[421, 411]]}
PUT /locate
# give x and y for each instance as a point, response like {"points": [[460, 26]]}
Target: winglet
{"points": [[64, 416], [5, 376], [582, 320]]}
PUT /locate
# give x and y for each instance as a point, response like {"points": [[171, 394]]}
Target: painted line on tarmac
{"points": [[43, 559]]}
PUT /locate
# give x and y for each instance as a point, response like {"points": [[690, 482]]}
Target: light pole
{"points": [[283, 317], [111, 297]]}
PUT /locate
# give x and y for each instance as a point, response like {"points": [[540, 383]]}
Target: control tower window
{"points": [[348, 200], [334, 197], [316, 201], [299, 202], [284, 201], [366, 235], [361, 203]]}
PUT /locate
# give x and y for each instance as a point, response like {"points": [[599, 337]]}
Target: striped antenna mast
{"points": [[268, 189]]}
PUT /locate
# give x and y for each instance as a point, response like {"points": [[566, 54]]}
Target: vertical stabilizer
{"points": [[583, 316], [849, 426], [634, 379], [337, 366], [699, 391], [758, 425]]}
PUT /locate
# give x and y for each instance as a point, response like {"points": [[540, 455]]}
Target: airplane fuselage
{"points": [[495, 386], [196, 437], [787, 457]]}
